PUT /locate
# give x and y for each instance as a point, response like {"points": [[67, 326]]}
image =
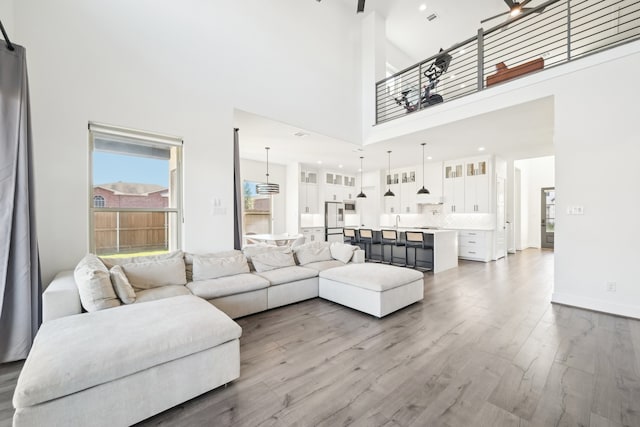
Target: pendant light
{"points": [[361, 195], [389, 193], [423, 190], [267, 189]]}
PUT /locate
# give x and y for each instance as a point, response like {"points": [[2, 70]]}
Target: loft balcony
{"points": [[543, 37]]}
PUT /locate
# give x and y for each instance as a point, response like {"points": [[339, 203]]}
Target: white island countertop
{"points": [[410, 229]]}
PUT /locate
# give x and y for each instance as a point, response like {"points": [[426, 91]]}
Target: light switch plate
{"points": [[575, 210]]}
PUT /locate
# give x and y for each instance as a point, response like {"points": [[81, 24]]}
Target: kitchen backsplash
{"points": [[433, 216]]}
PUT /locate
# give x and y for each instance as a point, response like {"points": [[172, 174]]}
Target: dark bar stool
{"points": [[417, 240], [349, 236], [391, 238], [365, 237]]}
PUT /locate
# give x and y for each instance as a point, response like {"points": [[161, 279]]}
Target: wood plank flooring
{"points": [[484, 348]]}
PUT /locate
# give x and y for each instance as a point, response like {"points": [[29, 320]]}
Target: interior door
{"points": [[548, 215]]}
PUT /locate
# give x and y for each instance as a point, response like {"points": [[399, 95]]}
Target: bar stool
{"points": [[391, 238], [349, 236], [417, 240], [365, 237]]}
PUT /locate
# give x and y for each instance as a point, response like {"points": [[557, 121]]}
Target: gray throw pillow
{"points": [[122, 286], [94, 284]]}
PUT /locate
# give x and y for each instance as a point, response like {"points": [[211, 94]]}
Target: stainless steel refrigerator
{"points": [[333, 221]]}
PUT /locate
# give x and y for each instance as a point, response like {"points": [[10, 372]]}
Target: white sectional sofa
{"points": [[124, 339]]}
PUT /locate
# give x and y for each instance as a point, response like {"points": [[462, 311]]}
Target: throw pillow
{"points": [[122, 286], [342, 252], [94, 284], [211, 267], [271, 260], [313, 252], [153, 274], [188, 260]]}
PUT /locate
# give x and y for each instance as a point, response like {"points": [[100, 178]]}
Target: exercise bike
{"points": [[427, 98]]}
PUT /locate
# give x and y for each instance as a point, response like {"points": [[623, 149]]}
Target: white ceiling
{"points": [[519, 132]]}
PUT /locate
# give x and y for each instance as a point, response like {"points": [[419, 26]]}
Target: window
{"points": [[135, 191], [256, 212], [98, 202]]}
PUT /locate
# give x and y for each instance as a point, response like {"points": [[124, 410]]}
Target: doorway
{"points": [[548, 215]]}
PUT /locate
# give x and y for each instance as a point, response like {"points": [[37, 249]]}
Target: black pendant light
{"points": [[267, 189], [361, 195], [423, 190], [389, 193]]}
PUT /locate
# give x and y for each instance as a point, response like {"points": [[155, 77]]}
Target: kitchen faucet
{"points": [[397, 220]]}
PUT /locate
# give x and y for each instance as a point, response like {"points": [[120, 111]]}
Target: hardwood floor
{"points": [[484, 348]]}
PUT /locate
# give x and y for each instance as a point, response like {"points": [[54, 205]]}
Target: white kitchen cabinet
{"points": [[392, 204], [309, 199], [408, 198], [476, 186], [453, 187], [475, 245], [315, 234]]}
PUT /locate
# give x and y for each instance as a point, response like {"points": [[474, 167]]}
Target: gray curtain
{"points": [[20, 284], [237, 194]]}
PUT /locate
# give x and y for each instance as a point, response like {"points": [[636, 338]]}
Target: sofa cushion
{"points": [[94, 284], [230, 285], [313, 252], [323, 265], [188, 260], [271, 260], [152, 274], [342, 252], [375, 277], [288, 274], [110, 262], [75, 353], [121, 284], [207, 267], [161, 292]]}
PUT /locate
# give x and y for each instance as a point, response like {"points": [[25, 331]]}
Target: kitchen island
{"points": [[443, 257]]}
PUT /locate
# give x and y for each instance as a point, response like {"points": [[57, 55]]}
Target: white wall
{"points": [[536, 174], [397, 58], [178, 68], [7, 16]]}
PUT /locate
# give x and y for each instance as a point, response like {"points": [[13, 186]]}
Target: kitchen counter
{"points": [[445, 245]]}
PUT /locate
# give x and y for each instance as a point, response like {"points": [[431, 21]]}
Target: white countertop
{"points": [[412, 229]]}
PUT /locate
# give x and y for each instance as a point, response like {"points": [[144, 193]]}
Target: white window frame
{"points": [[144, 137]]}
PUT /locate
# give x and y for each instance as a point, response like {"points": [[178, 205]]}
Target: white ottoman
{"points": [[376, 289], [121, 365]]}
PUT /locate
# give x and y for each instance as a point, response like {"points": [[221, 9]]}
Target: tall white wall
{"points": [[7, 16], [178, 68], [536, 174], [596, 153]]}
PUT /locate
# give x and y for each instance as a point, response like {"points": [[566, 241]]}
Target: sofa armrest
{"points": [[61, 298], [358, 256]]}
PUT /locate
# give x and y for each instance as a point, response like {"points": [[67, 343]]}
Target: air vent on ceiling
{"points": [[432, 17], [301, 134]]}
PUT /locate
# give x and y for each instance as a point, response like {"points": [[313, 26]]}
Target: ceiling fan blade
{"points": [[494, 17], [360, 6], [510, 3]]}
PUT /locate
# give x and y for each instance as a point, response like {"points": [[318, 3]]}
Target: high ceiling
{"points": [[504, 132]]}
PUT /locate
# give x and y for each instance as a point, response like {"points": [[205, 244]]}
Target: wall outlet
{"points": [[611, 286]]}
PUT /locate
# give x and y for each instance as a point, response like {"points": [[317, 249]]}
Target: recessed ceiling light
{"points": [[429, 158], [319, 162], [480, 148], [423, 7], [340, 166], [359, 170]]}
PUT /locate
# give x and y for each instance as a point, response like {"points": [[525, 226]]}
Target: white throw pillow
{"points": [[313, 252], [153, 274], [122, 286], [212, 267], [188, 260], [342, 252], [271, 260], [94, 284]]}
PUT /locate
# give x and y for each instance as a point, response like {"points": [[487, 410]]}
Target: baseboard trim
{"points": [[596, 305]]}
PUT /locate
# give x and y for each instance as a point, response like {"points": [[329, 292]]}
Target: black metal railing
{"points": [[556, 32]]}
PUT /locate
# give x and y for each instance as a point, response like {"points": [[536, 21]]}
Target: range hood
{"points": [[429, 199]]}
